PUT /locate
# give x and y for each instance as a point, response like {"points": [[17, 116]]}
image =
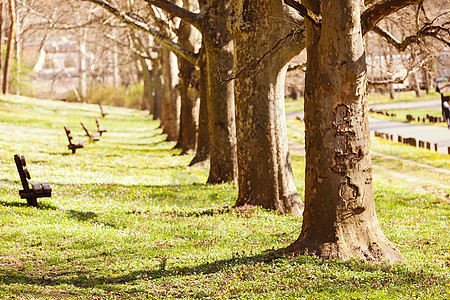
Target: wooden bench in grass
{"points": [[102, 112], [38, 190], [93, 137], [72, 145], [99, 130]]}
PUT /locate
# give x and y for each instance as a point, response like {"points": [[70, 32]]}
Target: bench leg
{"points": [[32, 201]]}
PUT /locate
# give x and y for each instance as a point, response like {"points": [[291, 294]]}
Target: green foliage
{"points": [[130, 96], [129, 220]]}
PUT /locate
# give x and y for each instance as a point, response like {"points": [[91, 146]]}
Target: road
{"points": [[427, 133]]}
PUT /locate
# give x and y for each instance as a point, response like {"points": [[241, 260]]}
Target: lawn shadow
{"points": [[85, 279]]}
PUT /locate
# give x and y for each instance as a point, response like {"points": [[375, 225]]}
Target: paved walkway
{"points": [[427, 133], [432, 104]]}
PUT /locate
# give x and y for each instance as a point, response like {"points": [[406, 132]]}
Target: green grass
{"points": [[129, 220], [402, 96]]}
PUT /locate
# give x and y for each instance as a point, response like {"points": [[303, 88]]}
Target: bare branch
{"points": [[374, 14], [431, 31], [139, 24], [173, 9], [253, 65], [305, 12], [396, 80]]}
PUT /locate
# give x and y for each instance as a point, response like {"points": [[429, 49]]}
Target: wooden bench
{"points": [[92, 137], [99, 130], [38, 190], [103, 113], [72, 146]]}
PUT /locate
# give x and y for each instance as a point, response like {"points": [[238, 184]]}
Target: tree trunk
{"points": [[83, 64], [220, 93], [426, 79], [2, 9], [9, 47], [339, 219], [202, 153], [157, 89], [170, 105], [186, 140], [265, 173], [148, 99], [415, 83]]}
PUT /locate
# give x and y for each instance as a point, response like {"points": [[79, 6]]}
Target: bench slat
{"points": [[37, 188]]}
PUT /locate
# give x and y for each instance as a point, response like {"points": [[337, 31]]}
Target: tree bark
{"points": [[9, 47], [2, 9], [220, 94], [339, 220], [263, 47], [83, 64], [157, 89], [170, 103], [187, 137], [148, 100], [202, 153], [415, 83]]}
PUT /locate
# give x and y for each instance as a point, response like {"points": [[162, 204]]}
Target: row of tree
{"points": [[245, 48], [238, 69]]}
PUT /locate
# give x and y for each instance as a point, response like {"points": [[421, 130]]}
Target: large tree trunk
{"points": [[202, 153], [263, 47], [9, 46], [83, 63], [170, 105], [187, 137], [220, 94], [415, 84], [339, 219], [157, 89], [2, 9], [148, 99]]}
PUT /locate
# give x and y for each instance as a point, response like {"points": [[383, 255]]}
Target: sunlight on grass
{"points": [[129, 219]]}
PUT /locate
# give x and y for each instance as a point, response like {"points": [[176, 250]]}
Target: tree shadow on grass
{"points": [[14, 275], [84, 279]]}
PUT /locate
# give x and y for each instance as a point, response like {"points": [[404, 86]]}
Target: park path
{"points": [[427, 133]]}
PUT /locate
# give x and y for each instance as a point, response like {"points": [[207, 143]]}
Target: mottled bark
{"points": [[415, 84], [9, 45], [220, 95], [263, 47], [202, 153], [170, 100], [148, 99], [187, 137], [339, 220], [157, 89]]}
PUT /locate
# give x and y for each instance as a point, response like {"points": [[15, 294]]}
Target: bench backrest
{"points": [[69, 134], [85, 129], [23, 171]]}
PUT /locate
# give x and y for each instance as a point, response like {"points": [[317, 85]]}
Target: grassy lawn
{"points": [[129, 219], [402, 96]]}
